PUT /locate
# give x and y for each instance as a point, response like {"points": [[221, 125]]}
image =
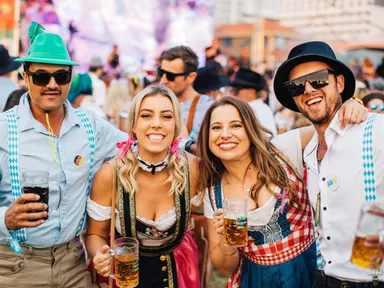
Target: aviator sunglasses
{"points": [[317, 80], [377, 107], [170, 76], [42, 78]]}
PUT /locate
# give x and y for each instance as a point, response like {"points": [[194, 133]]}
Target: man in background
{"points": [[7, 65]]}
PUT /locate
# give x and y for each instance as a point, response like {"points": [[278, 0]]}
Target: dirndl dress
{"points": [[281, 253]]}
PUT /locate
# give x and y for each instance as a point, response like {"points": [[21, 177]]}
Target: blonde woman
{"points": [[156, 185]]}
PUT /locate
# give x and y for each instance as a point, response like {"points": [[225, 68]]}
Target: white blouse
{"points": [[162, 223]]}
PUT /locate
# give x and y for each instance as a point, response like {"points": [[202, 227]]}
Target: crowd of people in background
{"points": [[110, 89], [245, 101]]}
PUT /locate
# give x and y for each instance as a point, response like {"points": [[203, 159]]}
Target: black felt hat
{"points": [[246, 78], [6, 62], [209, 80], [307, 52]]}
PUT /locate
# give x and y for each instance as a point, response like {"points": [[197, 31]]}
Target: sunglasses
{"points": [[42, 78], [317, 80], [377, 107], [170, 76]]}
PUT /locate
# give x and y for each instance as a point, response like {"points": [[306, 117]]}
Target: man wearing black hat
{"points": [[345, 167], [7, 65], [250, 86], [208, 82]]}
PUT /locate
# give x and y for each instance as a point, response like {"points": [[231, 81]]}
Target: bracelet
{"points": [[225, 253], [188, 145], [358, 100]]}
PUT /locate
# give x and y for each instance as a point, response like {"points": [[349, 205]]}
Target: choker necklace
{"points": [[146, 166]]}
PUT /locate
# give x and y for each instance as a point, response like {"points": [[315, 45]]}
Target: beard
{"points": [[326, 115]]}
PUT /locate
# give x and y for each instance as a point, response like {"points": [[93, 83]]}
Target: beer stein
{"points": [[371, 222], [235, 222], [125, 255], [37, 182]]}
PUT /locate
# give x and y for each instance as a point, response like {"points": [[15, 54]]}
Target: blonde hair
{"points": [[128, 164]]}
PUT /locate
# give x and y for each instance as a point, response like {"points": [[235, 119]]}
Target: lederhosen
{"points": [[157, 266]]}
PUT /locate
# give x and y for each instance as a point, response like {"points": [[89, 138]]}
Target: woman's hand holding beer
{"points": [[218, 221], [102, 261]]}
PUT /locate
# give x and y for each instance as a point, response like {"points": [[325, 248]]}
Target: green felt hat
{"points": [[46, 48]]}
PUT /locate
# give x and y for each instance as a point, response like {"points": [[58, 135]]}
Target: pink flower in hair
{"points": [[175, 147], [125, 146]]}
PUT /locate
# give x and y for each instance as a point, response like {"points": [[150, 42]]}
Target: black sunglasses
{"points": [[317, 80], [170, 76], [42, 78]]}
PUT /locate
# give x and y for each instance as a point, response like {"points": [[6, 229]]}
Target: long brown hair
{"points": [[262, 153]]}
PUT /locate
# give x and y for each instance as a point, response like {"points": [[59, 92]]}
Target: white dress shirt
{"points": [[341, 201], [264, 115]]}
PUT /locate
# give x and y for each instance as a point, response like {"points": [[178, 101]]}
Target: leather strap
{"points": [[192, 111]]}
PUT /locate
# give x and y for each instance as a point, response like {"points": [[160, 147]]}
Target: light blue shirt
{"points": [[201, 107], [35, 153]]}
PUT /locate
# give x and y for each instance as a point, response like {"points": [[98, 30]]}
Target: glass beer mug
{"points": [[37, 182], [125, 255], [371, 222], [235, 222]]}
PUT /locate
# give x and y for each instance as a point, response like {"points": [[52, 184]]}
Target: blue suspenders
{"points": [[13, 162], [368, 163], [91, 140]]}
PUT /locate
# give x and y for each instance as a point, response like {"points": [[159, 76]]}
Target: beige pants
{"points": [[61, 266]]}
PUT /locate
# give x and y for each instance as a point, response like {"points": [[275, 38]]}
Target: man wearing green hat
{"points": [[45, 133]]}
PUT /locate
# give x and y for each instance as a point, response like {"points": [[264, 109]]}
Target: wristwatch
{"points": [[188, 145]]}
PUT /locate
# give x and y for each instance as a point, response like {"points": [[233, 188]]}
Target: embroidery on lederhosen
{"points": [[369, 176], [91, 140], [13, 162]]}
